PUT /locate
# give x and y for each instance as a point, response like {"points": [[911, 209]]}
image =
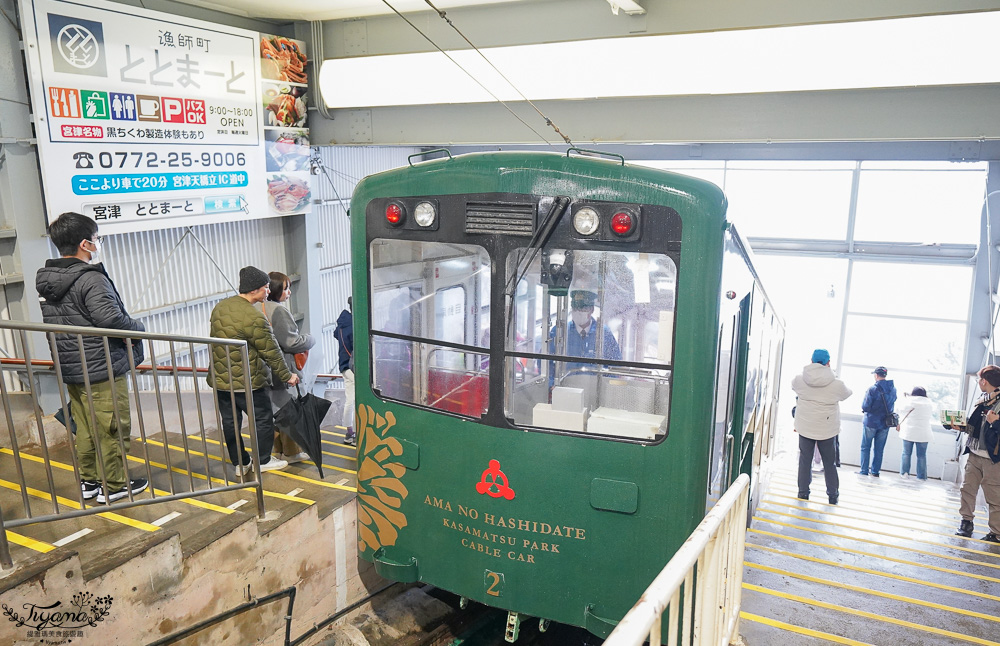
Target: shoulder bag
{"points": [[891, 419]]}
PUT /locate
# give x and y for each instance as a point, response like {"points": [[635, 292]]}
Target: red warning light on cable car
{"points": [[622, 223], [394, 214]]}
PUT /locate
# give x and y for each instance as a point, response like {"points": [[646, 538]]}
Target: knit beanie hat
{"points": [[820, 356], [252, 278]]}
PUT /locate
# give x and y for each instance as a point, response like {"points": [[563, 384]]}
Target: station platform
{"points": [[170, 565], [881, 568]]}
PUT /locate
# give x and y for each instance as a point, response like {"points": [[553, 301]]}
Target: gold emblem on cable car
{"points": [[380, 492]]}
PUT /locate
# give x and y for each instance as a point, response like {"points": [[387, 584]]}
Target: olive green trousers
{"points": [[103, 436]]}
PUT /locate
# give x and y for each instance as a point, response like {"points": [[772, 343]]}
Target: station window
{"points": [[606, 320], [428, 341]]}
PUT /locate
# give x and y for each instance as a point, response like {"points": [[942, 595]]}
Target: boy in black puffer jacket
{"points": [[76, 290]]}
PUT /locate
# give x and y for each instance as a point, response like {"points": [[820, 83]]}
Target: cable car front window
{"points": [[426, 327], [609, 315]]}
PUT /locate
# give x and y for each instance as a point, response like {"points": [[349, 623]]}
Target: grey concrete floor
{"points": [[882, 568]]}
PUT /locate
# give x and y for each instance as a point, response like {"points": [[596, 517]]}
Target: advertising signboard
{"points": [[148, 120]]}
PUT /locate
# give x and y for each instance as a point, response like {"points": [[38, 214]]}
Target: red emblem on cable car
{"points": [[494, 483]]}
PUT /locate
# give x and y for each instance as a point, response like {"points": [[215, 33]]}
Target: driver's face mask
{"points": [[581, 317]]}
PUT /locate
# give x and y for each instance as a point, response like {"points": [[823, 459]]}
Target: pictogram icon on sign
{"points": [[171, 110], [64, 103], [123, 106], [95, 104], [149, 107], [494, 482], [194, 111]]}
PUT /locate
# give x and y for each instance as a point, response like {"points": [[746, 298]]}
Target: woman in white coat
{"points": [[915, 418], [817, 421]]}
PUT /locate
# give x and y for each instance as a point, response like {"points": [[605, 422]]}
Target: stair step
{"points": [[882, 567]]}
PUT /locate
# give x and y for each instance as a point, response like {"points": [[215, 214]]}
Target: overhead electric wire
{"points": [[548, 121], [471, 76]]}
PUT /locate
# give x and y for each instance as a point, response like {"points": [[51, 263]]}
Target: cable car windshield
{"points": [[439, 292], [606, 319]]}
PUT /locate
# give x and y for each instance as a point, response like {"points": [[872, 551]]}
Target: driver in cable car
{"points": [[581, 333]]}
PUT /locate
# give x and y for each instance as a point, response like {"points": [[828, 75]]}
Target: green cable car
{"points": [[566, 362]]}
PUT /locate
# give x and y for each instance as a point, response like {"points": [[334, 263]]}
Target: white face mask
{"points": [[581, 319], [96, 256]]}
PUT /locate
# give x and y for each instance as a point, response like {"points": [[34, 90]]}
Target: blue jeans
{"points": [[904, 462], [879, 437]]}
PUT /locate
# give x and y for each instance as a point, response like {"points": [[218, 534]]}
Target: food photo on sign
{"points": [[283, 59], [287, 149], [284, 105], [289, 193]]}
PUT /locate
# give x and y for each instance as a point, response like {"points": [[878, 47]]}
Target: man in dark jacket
{"points": [[237, 318], [878, 404], [983, 449], [345, 335], [76, 290]]}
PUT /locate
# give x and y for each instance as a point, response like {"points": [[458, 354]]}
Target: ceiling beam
{"points": [[952, 113]]}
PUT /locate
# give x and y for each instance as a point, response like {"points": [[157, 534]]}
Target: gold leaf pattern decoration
{"points": [[380, 491]]}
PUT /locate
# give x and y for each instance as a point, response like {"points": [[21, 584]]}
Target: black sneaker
{"points": [[992, 538], [89, 488], [137, 485], [965, 528], [874, 475], [834, 500]]}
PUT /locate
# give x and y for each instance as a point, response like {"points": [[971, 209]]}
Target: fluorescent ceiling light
{"points": [[931, 50]]}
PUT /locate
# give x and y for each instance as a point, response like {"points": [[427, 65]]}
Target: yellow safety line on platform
{"points": [[877, 593], [959, 548], [914, 508], [898, 577], [346, 446], [218, 459], [887, 492], [30, 543], [295, 476], [271, 494], [158, 492], [72, 504], [802, 631], [947, 557], [869, 615], [325, 466], [342, 457]]}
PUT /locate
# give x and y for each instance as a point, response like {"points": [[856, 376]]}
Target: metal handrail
{"points": [[714, 555], [142, 367], [60, 508]]}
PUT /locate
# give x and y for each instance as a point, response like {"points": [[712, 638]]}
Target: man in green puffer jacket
{"points": [[237, 318]]}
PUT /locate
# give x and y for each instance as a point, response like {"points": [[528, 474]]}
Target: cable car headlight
{"points": [[425, 214], [586, 221]]}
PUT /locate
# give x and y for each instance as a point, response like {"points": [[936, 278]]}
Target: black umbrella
{"points": [[300, 419]]}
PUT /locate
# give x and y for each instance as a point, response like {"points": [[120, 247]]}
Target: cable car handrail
{"points": [[716, 548], [612, 372]]}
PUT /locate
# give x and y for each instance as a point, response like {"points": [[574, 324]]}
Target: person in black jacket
{"points": [[76, 290], [983, 448], [345, 335]]}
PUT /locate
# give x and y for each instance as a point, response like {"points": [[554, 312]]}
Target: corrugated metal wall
{"points": [[344, 167], [172, 278]]}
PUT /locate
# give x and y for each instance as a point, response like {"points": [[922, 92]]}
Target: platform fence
{"points": [[162, 385], [699, 589]]}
